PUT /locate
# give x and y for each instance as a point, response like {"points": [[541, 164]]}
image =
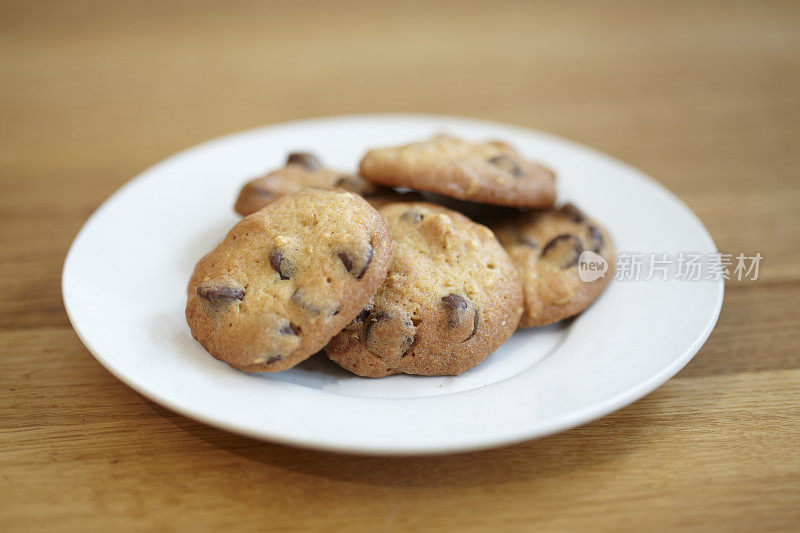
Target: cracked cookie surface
{"points": [[451, 297], [490, 172], [545, 247], [288, 278], [302, 170]]}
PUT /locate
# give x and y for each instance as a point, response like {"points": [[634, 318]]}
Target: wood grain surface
{"points": [[703, 96]]}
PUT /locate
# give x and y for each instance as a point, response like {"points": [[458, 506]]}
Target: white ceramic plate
{"points": [[124, 290]]}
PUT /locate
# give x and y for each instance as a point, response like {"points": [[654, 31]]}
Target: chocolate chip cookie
{"points": [[546, 247], [491, 172], [452, 297], [301, 170], [288, 278]]}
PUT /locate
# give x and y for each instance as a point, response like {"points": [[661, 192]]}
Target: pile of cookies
{"points": [[387, 271]]}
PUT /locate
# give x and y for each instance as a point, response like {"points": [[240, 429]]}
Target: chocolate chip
{"points": [[508, 164], [346, 261], [457, 308], [566, 249], [412, 215], [356, 264], [274, 359], [220, 294], [389, 335], [572, 212], [280, 264], [288, 329], [372, 318], [528, 241], [305, 159], [595, 238]]}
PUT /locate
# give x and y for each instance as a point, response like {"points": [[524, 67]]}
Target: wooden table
{"points": [[703, 96]]}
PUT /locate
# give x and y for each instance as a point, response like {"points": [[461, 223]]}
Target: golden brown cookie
{"points": [[546, 247], [301, 170], [288, 278], [490, 172], [452, 297]]}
